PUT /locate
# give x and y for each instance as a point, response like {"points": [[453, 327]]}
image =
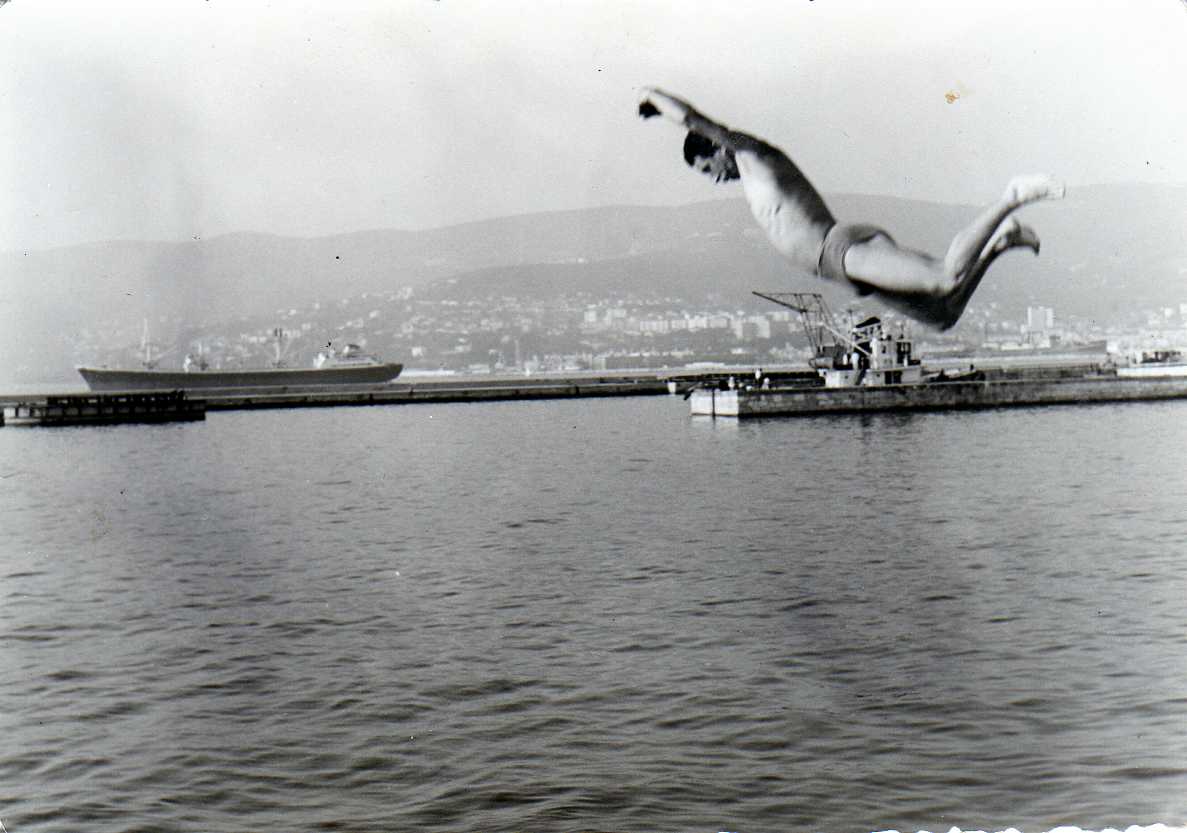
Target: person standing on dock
{"points": [[932, 290]]}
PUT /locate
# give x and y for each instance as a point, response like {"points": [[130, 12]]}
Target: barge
{"points": [[867, 369]]}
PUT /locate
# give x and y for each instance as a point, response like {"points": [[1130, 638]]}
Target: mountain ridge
{"points": [[1104, 248]]}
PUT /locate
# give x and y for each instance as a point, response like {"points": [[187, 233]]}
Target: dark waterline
{"points": [[595, 615]]}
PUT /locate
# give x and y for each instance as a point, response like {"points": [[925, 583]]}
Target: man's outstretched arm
{"points": [[768, 158], [659, 103]]}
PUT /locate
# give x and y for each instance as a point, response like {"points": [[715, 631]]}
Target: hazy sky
{"points": [[179, 118]]}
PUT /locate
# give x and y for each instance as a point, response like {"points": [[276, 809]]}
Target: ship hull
{"points": [[104, 379]]}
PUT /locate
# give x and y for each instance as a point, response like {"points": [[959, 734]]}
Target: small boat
{"points": [[1155, 363]]}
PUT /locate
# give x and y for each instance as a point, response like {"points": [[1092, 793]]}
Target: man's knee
{"points": [[947, 283]]}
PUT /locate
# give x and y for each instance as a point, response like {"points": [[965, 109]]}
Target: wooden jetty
{"points": [[104, 409]]}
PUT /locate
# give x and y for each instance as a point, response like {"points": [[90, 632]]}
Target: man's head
{"points": [[709, 158]]}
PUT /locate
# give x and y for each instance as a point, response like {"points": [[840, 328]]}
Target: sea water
{"points": [[595, 615]]}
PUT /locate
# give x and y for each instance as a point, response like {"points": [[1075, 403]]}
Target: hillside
{"points": [[1105, 248]]}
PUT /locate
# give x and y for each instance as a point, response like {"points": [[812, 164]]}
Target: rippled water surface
{"points": [[595, 615]]}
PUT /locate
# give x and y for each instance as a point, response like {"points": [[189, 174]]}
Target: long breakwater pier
{"points": [[469, 389], [715, 392], [67, 407]]}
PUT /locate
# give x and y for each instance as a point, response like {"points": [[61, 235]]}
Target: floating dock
{"points": [[104, 409], [864, 368], [988, 393]]}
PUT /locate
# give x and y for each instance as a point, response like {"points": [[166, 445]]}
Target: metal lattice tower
{"points": [[825, 337]]}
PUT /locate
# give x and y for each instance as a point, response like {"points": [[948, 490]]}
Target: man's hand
{"points": [[658, 103]]}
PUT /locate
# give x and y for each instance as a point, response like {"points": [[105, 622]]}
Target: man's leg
{"points": [[1010, 235], [968, 245], [890, 269], [919, 285]]}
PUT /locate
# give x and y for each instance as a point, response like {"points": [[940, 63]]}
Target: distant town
{"points": [[594, 289], [432, 330]]}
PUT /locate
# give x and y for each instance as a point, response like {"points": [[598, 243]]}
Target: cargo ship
{"points": [[349, 366], [866, 369]]}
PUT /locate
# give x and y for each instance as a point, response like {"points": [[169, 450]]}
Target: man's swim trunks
{"points": [[840, 237]]}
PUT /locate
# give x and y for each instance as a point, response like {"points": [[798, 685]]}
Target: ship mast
{"points": [[146, 346], [279, 335]]}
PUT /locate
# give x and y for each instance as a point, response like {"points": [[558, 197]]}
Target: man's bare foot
{"points": [[1033, 187], [1011, 234], [1026, 237]]}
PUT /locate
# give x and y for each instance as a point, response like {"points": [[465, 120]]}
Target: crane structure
{"points": [[829, 342], [863, 354]]}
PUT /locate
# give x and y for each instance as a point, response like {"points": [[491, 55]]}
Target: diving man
{"points": [[803, 230]]}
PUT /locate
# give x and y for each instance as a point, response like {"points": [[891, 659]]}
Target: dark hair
{"points": [[697, 145]]}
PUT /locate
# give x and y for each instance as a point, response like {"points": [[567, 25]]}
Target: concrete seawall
{"points": [[452, 391], [431, 389], [789, 393], [933, 396]]}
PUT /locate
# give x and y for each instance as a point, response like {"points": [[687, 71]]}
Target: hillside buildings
{"points": [[436, 331]]}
